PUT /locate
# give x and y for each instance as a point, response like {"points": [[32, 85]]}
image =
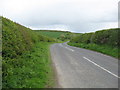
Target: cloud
{"points": [[75, 15]]}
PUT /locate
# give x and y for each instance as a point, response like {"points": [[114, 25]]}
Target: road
{"points": [[81, 68]]}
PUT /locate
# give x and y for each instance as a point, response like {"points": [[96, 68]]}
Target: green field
{"points": [[52, 34], [59, 35]]}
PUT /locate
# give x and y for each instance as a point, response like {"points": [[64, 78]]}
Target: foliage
{"points": [[109, 37], [103, 37], [31, 70], [83, 38], [25, 57]]}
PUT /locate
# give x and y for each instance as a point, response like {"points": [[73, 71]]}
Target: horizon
{"points": [[80, 16], [57, 29]]}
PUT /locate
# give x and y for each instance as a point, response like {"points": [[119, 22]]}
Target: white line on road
{"points": [[101, 67], [69, 49]]}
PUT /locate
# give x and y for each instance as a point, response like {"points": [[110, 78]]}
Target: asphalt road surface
{"points": [[81, 68]]}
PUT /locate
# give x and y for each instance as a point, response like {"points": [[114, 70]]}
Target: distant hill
{"points": [[61, 35]]}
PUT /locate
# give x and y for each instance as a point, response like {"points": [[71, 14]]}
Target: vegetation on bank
{"points": [[33, 69], [104, 41], [25, 57], [105, 49]]}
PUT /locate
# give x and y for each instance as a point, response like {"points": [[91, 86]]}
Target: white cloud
{"points": [[75, 15]]}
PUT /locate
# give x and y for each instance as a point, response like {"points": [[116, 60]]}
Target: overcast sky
{"points": [[73, 15]]}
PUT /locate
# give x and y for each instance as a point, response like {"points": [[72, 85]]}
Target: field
{"points": [[52, 34], [58, 35]]}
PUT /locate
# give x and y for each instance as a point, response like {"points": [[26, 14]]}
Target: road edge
{"points": [[56, 83]]}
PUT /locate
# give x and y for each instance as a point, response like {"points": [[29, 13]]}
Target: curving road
{"points": [[81, 68]]}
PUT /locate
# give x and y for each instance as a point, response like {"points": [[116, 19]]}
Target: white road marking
{"points": [[60, 44], [69, 49], [101, 67]]}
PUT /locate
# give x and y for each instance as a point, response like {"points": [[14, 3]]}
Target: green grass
{"points": [[31, 70], [58, 35], [105, 49]]}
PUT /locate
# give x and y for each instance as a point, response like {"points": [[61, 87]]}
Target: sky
{"points": [[79, 16]]}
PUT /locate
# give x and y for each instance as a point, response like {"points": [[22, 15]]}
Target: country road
{"points": [[81, 68]]}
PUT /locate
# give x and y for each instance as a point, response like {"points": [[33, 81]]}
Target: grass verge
{"points": [[105, 49], [31, 70]]}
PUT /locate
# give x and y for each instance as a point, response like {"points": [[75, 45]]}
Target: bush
{"points": [[103, 37]]}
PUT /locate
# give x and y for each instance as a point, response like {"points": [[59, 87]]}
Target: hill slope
{"points": [[26, 58]]}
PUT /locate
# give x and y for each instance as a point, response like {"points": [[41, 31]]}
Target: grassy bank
{"points": [[105, 49], [31, 70], [25, 57]]}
